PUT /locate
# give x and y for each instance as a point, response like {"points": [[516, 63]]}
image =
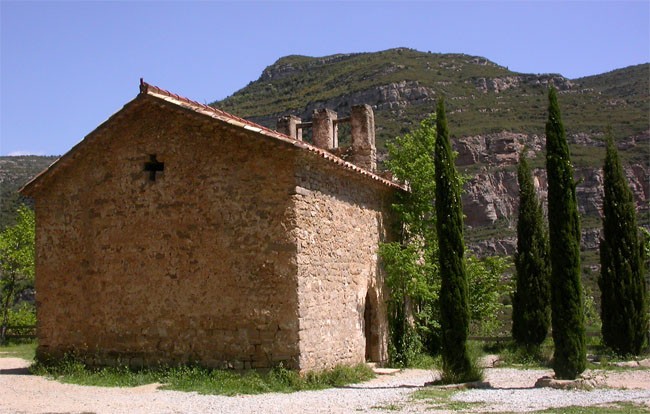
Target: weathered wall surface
{"points": [[341, 219], [194, 266]]}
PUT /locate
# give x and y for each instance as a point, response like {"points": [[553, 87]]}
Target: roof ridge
{"points": [[145, 88]]}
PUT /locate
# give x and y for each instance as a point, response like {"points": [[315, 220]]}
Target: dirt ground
{"points": [[21, 392]]}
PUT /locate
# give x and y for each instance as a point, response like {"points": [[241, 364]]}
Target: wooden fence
{"points": [[21, 332]]}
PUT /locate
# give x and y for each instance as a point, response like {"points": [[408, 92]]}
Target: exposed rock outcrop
{"points": [[492, 193], [391, 96], [504, 83]]}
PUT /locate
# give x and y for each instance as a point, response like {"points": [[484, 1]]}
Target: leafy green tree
{"points": [[624, 296], [16, 263], [531, 304], [454, 310], [410, 262], [486, 287], [564, 230]]}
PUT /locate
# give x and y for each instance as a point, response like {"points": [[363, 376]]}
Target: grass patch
{"points": [[605, 359], [389, 407], [426, 361], [510, 354], [440, 398], [25, 350], [433, 394], [475, 372], [616, 408], [203, 380]]}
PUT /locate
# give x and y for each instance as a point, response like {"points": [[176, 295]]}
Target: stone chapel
{"points": [[178, 233]]}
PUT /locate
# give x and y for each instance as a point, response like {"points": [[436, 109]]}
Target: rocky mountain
{"points": [[482, 97], [493, 114]]}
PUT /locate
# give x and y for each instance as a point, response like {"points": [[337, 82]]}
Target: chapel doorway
{"points": [[370, 329]]}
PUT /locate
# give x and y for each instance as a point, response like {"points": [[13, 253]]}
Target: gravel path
{"points": [[23, 393], [512, 390]]}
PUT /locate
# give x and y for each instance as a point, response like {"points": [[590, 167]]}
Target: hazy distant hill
{"points": [[14, 173]]}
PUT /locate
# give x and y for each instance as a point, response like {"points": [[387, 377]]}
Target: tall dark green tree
{"points": [[624, 296], [567, 306], [454, 310], [531, 305]]}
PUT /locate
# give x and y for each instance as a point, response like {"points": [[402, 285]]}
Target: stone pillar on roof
{"points": [[289, 125], [324, 128], [364, 152]]}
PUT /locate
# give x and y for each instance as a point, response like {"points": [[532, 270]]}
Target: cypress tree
{"points": [[531, 305], [454, 310], [623, 291], [569, 359]]}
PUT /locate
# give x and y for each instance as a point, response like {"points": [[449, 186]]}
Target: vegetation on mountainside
{"points": [[14, 173], [295, 84], [298, 84], [564, 234]]}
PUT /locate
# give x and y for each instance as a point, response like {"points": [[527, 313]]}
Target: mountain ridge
{"points": [[403, 80]]}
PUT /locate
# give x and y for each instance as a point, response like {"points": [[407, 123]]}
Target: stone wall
{"points": [[341, 219], [194, 266]]}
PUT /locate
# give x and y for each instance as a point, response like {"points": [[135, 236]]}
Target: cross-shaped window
{"points": [[153, 166]]}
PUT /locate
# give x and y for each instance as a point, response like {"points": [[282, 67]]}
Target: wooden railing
{"points": [[21, 332]]}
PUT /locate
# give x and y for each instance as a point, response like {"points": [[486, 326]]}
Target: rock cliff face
{"points": [[500, 84], [491, 195], [394, 96], [391, 96]]}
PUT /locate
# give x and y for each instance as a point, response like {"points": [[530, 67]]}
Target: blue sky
{"points": [[65, 67]]}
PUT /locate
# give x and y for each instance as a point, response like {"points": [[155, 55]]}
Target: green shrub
{"points": [[22, 315]]}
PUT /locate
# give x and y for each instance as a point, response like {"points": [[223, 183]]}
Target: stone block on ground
{"points": [[586, 382]]}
